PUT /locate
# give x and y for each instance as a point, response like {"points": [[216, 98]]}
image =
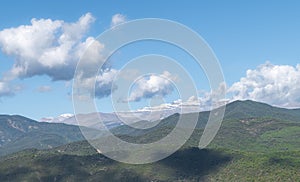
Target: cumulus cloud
{"points": [[47, 47], [117, 19], [53, 48], [153, 85], [44, 88], [103, 84], [278, 85]]}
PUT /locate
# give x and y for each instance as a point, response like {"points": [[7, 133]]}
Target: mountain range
{"points": [[110, 119], [256, 142], [18, 132]]}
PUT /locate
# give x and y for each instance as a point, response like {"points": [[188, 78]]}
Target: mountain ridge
{"points": [[253, 144], [19, 132]]}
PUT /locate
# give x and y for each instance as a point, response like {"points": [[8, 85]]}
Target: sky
{"points": [[256, 42]]}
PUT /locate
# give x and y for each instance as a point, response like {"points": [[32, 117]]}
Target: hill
{"points": [[247, 126], [252, 109], [18, 133]]}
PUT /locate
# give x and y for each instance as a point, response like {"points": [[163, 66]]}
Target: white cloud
{"points": [[44, 88], [118, 19], [190, 105], [7, 89], [4, 90], [103, 84], [53, 48], [154, 85], [58, 119], [47, 47], [205, 102], [277, 85]]}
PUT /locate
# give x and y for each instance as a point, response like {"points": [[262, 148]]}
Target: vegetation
{"points": [[190, 164], [18, 133], [256, 142]]}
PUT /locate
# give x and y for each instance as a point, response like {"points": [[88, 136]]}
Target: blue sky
{"points": [[243, 35]]}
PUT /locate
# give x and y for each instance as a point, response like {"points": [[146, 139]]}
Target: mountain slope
{"points": [[243, 120], [252, 109], [18, 133]]}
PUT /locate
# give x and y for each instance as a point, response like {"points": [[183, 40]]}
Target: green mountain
{"points": [[252, 109], [247, 125], [256, 142], [18, 133]]}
